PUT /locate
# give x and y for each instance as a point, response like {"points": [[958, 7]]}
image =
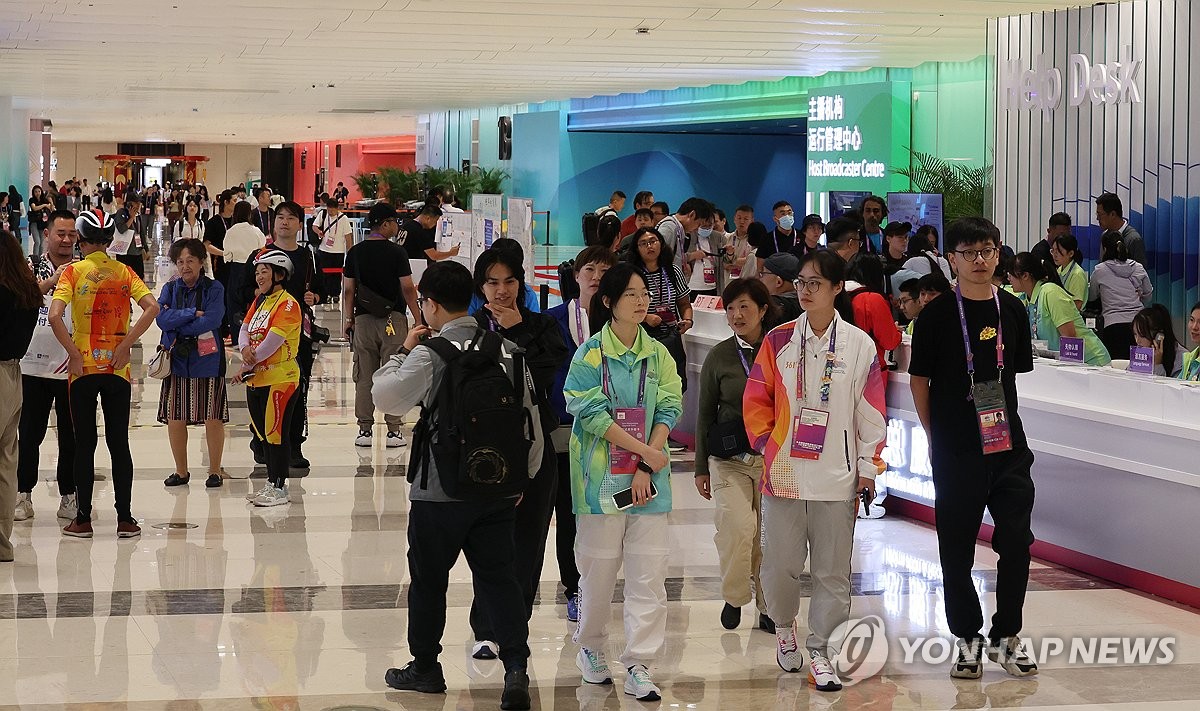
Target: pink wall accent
{"points": [[358, 155]]}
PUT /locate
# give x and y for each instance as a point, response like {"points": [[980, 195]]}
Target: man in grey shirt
{"points": [[440, 527], [1110, 216]]}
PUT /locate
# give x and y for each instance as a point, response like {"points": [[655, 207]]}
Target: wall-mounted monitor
{"points": [[843, 201], [918, 209]]}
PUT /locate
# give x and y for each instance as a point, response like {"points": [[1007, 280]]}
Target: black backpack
{"points": [[601, 230], [477, 430]]}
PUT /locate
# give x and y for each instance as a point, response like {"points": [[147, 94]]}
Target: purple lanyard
{"points": [[962, 320], [742, 357], [579, 323], [491, 324], [263, 221], [830, 357], [606, 381], [666, 280]]}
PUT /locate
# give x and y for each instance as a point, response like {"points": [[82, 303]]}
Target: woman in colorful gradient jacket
{"points": [[814, 407], [625, 394]]}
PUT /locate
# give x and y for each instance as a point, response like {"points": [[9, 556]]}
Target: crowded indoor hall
{"points": [[688, 355]]}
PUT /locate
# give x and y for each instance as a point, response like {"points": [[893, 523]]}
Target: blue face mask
{"points": [[787, 222], [704, 232]]}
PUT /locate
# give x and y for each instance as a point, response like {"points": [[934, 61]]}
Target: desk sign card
{"points": [[1070, 350], [1141, 360], [708, 303]]}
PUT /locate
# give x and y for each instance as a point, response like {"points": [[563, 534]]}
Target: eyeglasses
{"points": [[809, 286], [647, 243], [421, 301], [637, 295], [972, 254]]}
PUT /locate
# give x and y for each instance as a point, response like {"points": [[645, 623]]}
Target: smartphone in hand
{"points": [[624, 499]]}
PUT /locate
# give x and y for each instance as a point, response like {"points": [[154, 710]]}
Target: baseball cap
{"points": [[380, 213], [784, 265]]}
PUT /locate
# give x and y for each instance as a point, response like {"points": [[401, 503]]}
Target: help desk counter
{"points": [[1117, 465]]}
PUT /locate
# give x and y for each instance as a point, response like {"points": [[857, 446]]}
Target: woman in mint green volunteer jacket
{"points": [[625, 394], [1052, 311]]}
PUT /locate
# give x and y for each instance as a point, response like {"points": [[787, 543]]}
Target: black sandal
{"points": [[176, 480]]}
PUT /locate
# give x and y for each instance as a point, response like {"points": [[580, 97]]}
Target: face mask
{"points": [[704, 232], [786, 222]]}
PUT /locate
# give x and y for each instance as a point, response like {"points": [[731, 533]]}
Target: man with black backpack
{"points": [[476, 446]]}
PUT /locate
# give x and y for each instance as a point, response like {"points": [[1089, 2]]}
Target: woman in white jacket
{"points": [[190, 226], [814, 407]]}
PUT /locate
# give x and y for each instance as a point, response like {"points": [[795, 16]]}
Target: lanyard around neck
{"points": [[579, 324], [962, 320], [830, 358], [606, 381]]}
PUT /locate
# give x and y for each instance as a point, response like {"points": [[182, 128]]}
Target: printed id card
{"points": [[710, 274], [667, 315], [808, 433], [991, 412], [206, 344], [633, 421]]}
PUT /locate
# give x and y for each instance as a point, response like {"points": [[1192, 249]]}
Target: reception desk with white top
{"points": [[1117, 465]]}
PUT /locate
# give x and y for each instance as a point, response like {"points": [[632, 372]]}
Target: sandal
{"points": [[176, 480]]}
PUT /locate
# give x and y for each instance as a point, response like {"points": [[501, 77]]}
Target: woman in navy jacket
{"points": [[191, 309]]}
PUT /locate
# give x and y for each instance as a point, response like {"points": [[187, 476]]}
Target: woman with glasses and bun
{"points": [[814, 407]]}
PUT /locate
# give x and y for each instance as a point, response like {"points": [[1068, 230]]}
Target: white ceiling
{"points": [[259, 71]]}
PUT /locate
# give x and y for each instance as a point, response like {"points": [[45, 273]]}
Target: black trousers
{"points": [[300, 419], [39, 396], [278, 456], [332, 283], [483, 532], [964, 486], [115, 397], [564, 529], [1118, 339], [531, 527], [134, 262]]}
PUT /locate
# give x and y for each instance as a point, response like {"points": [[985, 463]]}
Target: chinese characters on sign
{"points": [[827, 139]]}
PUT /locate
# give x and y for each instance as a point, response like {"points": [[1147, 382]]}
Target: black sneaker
{"points": [[1010, 654], [516, 690], [730, 616], [765, 624], [969, 662], [426, 682]]}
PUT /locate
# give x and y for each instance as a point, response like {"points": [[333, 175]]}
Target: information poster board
{"points": [[456, 228], [520, 228], [917, 208], [486, 211]]}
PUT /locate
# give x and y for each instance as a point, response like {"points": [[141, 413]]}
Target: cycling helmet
{"points": [[275, 258], [95, 226]]}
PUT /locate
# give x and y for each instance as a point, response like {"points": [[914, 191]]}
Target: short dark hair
{"points": [[841, 229], [243, 212], [644, 212], [664, 207], [756, 291], [642, 198], [1026, 263], [1060, 219], [499, 255], [971, 230], [292, 207], [259, 189], [935, 282], [612, 285], [61, 215], [703, 208], [330, 202], [1109, 202], [718, 214], [781, 203], [449, 284], [430, 210], [190, 245], [744, 208], [617, 194], [912, 287], [596, 254], [133, 197], [875, 199]]}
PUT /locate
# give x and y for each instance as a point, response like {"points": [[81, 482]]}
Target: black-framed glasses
{"points": [[810, 286], [972, 254], [421, 301]]}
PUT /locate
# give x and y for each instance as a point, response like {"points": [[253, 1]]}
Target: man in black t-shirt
{"points": [[780, 239], [376, 286], [955, 416], [418, 237]]}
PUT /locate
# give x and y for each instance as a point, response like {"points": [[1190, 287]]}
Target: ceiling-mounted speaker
{"points": [[505, 129]]}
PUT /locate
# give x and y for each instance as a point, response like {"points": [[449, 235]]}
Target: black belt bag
{"points": [[727, 440], [372, 301]]}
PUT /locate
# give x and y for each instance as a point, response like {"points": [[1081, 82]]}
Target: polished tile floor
{"points": [[222, 606]]}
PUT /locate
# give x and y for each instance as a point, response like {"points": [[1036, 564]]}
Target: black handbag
{"points": [[727, 440], [370, 300]]}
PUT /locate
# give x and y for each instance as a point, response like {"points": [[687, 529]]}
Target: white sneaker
{"points": [[1010, 654], [363, 439], [788, 652], [395, 439], [24, 508], [639, 685], [68, 506], [255, 494], [593, 665], [485, 649], [821, 673], [274, 496], [969, 662]]}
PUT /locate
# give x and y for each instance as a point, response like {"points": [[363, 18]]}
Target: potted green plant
{"points": [[964, 187], [368, 184]]}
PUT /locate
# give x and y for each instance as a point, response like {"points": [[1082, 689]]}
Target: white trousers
{"points": [[824, 532], [602, 543]]}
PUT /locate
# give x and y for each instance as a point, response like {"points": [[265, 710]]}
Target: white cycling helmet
{"points": [[95, 226], [275, 258]]}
